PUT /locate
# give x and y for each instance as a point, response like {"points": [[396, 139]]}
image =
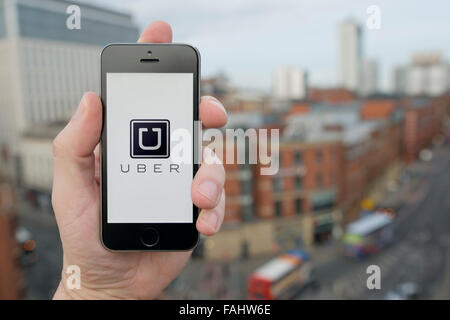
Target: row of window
{"points": [[278, 185], [54, 79], [45, 24], [298, 204], [298, 157], [278, 207]]}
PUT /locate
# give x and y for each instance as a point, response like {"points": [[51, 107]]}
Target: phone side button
{"points": [[149, 237]]}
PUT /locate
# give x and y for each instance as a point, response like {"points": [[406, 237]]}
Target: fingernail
{"points": [[209, 190], [212, 219], [217, 103], [81, 109]]}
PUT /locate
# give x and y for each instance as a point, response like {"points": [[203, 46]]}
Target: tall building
{"points": [[290, 83], [45, 67], [427, 74], [350, 55], [399, 79], [369, 83]]}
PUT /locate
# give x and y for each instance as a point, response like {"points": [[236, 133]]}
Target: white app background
{"points": [[147, 197]]}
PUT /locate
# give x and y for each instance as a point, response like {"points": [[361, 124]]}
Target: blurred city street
{"points": [[420, 251], [43, 272]]}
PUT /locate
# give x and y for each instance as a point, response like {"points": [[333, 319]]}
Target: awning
{"points": [[323, 197]]}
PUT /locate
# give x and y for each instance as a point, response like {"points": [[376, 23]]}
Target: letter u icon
{"points": [[141, 143]]}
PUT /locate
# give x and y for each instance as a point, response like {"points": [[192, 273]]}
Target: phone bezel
{"points": [[125, 58]]}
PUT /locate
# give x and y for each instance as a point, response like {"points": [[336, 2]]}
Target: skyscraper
{"points": [[289, 83], [350, 55], [369, 81], [427, 74]]}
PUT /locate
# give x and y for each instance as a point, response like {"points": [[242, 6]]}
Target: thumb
{"points": [[73, 156]]}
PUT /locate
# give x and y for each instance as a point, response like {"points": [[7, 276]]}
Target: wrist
{"points": [[62, 294], [65, 293]]}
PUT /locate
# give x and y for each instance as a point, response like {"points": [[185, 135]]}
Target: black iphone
{"points": [[149, 149]]}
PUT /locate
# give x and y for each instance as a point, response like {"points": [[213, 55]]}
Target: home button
{"points": [[149, 237]]}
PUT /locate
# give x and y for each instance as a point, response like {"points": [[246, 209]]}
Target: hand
{"points": [[76, 198]]}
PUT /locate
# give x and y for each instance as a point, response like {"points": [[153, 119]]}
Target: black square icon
{"points": [[149, 138]]}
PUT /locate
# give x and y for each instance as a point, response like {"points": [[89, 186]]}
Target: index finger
{"points": [[157, 32]]}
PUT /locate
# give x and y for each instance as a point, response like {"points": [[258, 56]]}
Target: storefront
{"points": [[323, 203]]}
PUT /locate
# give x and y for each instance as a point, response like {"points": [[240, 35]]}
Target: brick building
{"points": [[11, 284], [307, 186], [332, 95], [423, 121], [331, 158]]}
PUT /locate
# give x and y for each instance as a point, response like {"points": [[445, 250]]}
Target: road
{"points": [[419, 253], [42, 276]]}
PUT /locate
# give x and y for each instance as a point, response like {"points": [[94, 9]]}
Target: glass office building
{"points": [[45, 67]]}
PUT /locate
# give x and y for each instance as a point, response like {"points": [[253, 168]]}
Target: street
{"points": [[42, 276], [419, 252]]}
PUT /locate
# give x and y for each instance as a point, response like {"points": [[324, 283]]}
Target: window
{"points": [[246, 187], [323, 206], [298, 205], [277, 185], [247, 212], [298, 158], [278, 208], [298, 182]]}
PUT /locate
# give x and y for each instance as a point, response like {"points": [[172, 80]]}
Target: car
{"points": [[404, 291]]}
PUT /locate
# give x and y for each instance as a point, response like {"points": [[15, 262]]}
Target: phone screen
{"points": [[149, 147]]}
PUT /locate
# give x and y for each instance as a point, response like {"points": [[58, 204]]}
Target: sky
{"points": [[247, 39]]}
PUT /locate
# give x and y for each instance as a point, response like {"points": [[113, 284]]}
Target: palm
{"points": [[143, 274]]}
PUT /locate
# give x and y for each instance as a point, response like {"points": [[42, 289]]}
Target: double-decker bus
{"points": [[369, 234], [280, 278]]}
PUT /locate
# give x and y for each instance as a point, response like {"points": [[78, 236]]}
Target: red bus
{"points": [[281, 277]]}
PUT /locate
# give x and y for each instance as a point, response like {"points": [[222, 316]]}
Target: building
{"points": [[350, 55], [331, 95], [376, 109], [331, 160], [399, 80], [11, 281], [367, 136], [289, 83], [216, 86], [304, 191], [423, 121], [427, 74], [45, 68], [369, 84]]}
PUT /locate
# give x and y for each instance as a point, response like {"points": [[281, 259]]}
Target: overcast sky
{"points": [[247, 39]]}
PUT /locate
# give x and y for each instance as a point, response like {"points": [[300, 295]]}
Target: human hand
{"points": [[76, 202]]}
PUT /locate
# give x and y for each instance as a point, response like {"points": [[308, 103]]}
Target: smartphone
{"points": [[149, 148]]}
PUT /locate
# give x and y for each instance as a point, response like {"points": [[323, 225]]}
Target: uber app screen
{"points": [[146, 112]]}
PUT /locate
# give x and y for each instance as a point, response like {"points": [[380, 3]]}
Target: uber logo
{"points": [[149, 138]]}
